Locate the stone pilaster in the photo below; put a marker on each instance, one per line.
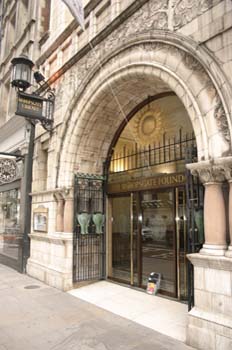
(212, 177)
(59, 211)
(226, 167)
(51, 253)
(68, 212)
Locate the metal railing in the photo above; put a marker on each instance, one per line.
(167, 150)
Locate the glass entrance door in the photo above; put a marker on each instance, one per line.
(148, 234)
(120, 240)
(181, 243)
(158, 238)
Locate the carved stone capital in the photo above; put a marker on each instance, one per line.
(63, 194)
(207, 172)
(58, 196)
(225, 165)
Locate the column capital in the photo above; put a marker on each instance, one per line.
(63, 194)
(225, 165)
(58, 196)
(209, 173)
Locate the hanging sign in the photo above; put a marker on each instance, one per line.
(8, 170)
(30, 106)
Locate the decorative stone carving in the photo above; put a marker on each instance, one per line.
(207, 173)
(158, 5)
(186, 10)
(160, 20)
(222, 123)
(148, 125)
(225, 165)
(191, 63)
(8, 170)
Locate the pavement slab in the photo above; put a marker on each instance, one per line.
(49, 319)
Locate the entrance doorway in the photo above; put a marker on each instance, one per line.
(149, 233)
(155, 211)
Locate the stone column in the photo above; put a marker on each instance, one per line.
(59, 212)
(227, 167)
(214, 208)
(68, 213)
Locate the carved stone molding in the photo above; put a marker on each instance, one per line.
(225, 165)
(63, 194)
(186, 10)
(58, 196)
(208, 173)
(228, 172)
(222, 123)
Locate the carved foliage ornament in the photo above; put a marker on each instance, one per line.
(8, 170)
(186, 10)
(222, 123)
(209, 174)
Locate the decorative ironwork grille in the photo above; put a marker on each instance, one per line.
(165, 151)
(89, 232)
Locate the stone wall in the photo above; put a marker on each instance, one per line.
(150, 47)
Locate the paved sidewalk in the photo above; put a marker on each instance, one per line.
(165, 316)
(34, 316)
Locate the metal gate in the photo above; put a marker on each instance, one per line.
(195, 219)
(89, 228)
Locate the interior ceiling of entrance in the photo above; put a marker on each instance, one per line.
(110, 106)
(113, 104)
(164, 115)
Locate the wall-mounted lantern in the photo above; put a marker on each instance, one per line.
(21, 73)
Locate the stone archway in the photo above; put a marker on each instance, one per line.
(127, 77)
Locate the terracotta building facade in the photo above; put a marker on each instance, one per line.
(136, 174)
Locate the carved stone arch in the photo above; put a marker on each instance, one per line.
(164, 60)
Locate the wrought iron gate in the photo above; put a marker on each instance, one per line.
(89, 228)
(195, 205)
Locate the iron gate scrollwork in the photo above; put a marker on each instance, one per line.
(89, 228)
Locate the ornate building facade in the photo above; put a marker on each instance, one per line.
(142, 94)
(17, 36)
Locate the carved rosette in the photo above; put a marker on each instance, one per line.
(148, 125)
(8, 170)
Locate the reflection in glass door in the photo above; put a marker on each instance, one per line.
(148, 234)
(158, 238)
(181, 243)
(123, 265)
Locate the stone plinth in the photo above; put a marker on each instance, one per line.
(210, 320)
(51, 259)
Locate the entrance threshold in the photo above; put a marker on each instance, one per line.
(158, 313)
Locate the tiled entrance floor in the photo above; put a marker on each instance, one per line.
(163, 315)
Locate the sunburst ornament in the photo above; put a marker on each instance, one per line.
(148, 125)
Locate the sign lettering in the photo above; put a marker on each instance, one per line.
(30, 106)
(150, 183)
